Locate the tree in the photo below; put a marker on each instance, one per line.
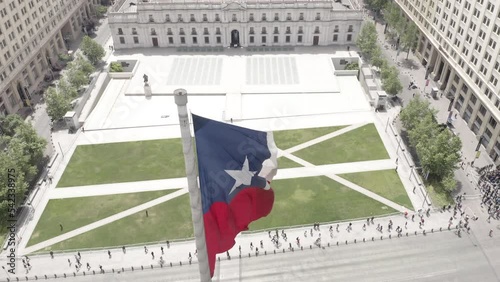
(92, 50)
(376, 5)
(377, 60)
(57, 104)
(409, 37)
(367, 39)
(392, 14)
(416, 110)
(352, 66)
(77, 78)
(449, 183)
(101, 10)
(392, 84)
(66, 88)
(115, 67)
(83, 64)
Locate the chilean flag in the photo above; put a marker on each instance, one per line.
(236, 166)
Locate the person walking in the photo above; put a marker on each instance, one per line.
(145, 250)
(88, 266)
(491, 233)
(152, 255)
(161, 248)
(109, 253)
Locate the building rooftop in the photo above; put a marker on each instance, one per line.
(130, 6)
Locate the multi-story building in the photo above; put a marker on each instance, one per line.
(199, 23)
(460, 44)
(32, 35)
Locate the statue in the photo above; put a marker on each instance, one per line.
(145, 78)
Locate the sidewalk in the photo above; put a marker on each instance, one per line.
(179, 251)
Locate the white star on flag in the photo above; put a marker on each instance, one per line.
(242, 177)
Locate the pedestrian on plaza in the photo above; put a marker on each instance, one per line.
(88, 266)
(269, 233)
(189, 256)
(239, 248)
(413, 218)
(331, 228)
(69, 262)
(147, 214)
(406, 214)
(152, 255)
(168, 244)
(109, 253)
(337, 227)
(60, 225)
(491, 233)
(261, 244)
(414, 188)
(161, 248)
(406, 225)
(251, 246)
(420, 225)
(311, 232)
(123, 249)
(79, 255)
(76, 267)
(51, 254)
(364, 227)
(145, 250)
(368, 221)
(305, 234)
(100, 267)
(373, 219)
(289, 246)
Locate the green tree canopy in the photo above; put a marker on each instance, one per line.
(58, 104)
(416, 110)
(409, 38)
(367, 39)
(92, 50)
(392, 15)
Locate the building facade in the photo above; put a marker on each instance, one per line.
(460, 45)
(210, 23)
(32, 35)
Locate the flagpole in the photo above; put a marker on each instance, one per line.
(194, 192)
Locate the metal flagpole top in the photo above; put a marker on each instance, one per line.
(181, 98)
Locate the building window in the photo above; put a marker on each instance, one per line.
(264, 39)
(205, 31)
(288, 16)
(193, 31)
(350, 28)
(492, 122)
(264, 30)
(136, 40)
(250, 18)
(473, 99)
(120, 31)
(169, 31)
(153, 31)
(217, 30)
(195, 40)
(301, 16)
(167, 18)
(276, 31)
(134, 31)
(252, 31)
(217, 18)
(349, 37)
(300, 30)
(207, 40)
(183, 40)
(234, 18)
(287, 39)
(205, 19)
(179, 18)
(276, 17)
(482, 110)
(170, 40)
(288, 30)
(181, 31)
(275, 39)
(191, 18)
(318, 16)
(335, 37)
(251, 39)
(151, 19)
(336, 28)
(264, 17)
(299, 39)
(122, 40)
(316, 30)
(218, 40)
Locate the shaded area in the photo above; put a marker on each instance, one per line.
(361, 144)
(124, 162)
(385, 183)
(287, 139)
(317, 199)
(74, 213)
(439, 196)
(166, 221)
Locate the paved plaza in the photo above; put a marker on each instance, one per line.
(314, 97)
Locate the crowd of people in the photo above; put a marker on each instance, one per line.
(489, 184)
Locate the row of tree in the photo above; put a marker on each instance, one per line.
(77, 74)
(437, 148)
(20, 155)
(367, 43)
(404, 29)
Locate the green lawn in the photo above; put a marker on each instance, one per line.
(73, 213)
(297, 201)
(166, 221)
(361, 144)
(287, 139)
(385, 183)
(284, 162)
(124, 162)
(317, 199)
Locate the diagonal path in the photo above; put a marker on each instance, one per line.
(103, 222)
(117, 188)
(324, 137)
